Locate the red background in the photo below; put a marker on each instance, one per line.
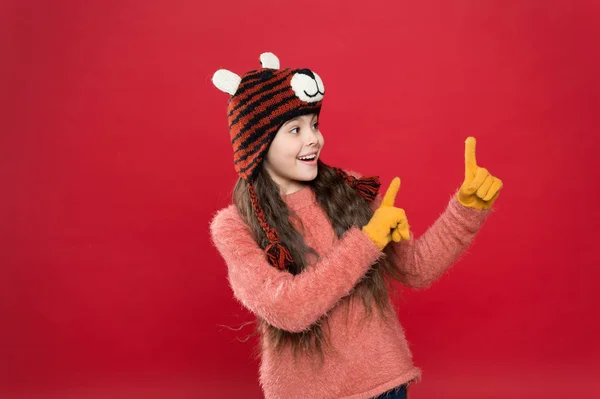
(115, 155)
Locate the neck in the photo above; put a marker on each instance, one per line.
(292, 188)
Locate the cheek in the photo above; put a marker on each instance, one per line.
(282, 151)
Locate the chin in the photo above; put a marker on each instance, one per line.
(311, 176)
(306, 176)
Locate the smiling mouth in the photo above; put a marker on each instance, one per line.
(316, 156)
(314, 95)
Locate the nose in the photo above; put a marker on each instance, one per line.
(312, 138)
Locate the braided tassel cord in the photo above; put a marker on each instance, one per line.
(278, 254)
(367, 186)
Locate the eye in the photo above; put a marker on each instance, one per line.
(294, 129)
(316, 125)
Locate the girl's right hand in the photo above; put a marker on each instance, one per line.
(388, 222)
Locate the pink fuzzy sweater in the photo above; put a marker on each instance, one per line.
(371, 356)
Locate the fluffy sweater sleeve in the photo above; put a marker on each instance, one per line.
(289, 302)
(422, 261)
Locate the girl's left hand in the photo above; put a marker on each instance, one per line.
(480, 189)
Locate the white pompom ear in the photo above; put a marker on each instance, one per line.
(269, 60)
(226, 81)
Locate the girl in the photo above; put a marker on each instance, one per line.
(311, 249)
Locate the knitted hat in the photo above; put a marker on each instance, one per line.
(261, 102)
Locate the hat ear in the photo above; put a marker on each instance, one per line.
(226, 81)
(269, 60)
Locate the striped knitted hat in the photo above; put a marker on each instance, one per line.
(261, 102)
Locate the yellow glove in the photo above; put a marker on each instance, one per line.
(480, 189)
(388, 222)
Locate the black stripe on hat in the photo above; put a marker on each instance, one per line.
(268, 136)
(250, 108)
(256, 118)
(247, 80)
(253, 75)
(268, 86)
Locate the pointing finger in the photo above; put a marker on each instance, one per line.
(390, 194)
(470, 160)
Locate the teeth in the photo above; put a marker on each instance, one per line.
(308, 158)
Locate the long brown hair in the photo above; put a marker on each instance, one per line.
(345, 208)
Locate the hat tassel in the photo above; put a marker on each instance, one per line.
(366, 186)
(278, 254)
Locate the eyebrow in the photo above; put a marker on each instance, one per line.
(298, 117)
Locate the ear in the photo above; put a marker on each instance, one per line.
(226, 81)
(269, 60)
